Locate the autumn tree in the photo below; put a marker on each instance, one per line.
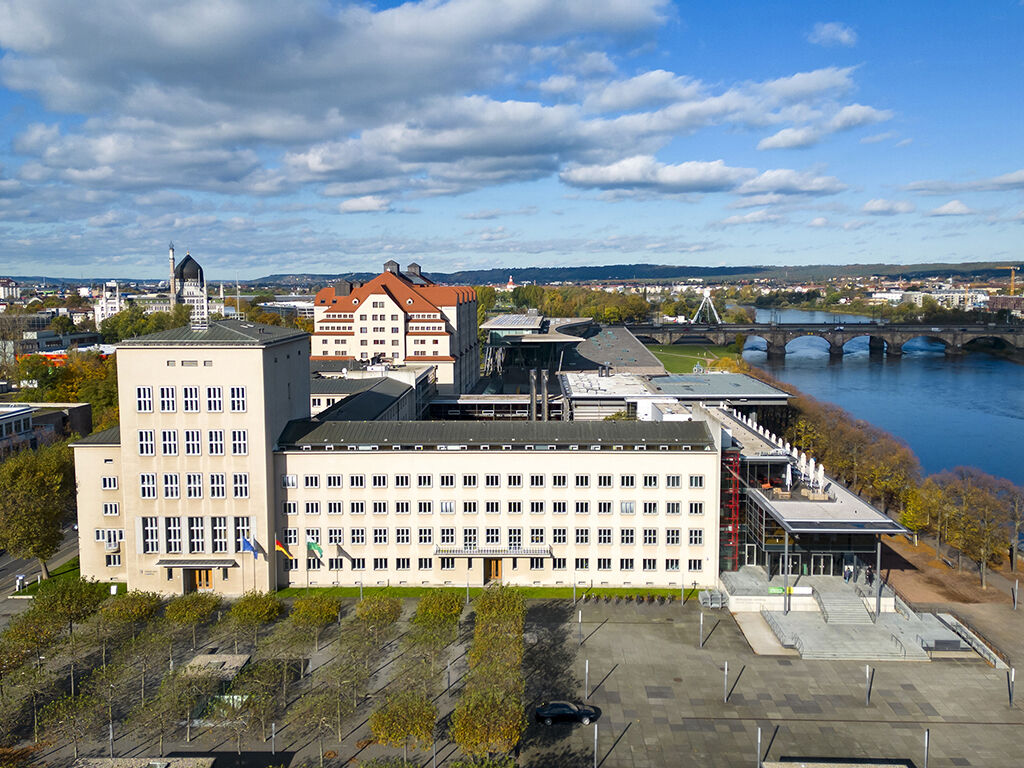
(254, 610)
(313, 716)
(37, 495)
(71, 718)
(312, 613)
(406, 717)
(487, 721)
(130, 610)
(192, 610)
(1013, 499)
(379, 612)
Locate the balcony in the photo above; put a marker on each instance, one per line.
(532, 551)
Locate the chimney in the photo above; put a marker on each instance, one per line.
(342, 288)
(544, 394)
(391, 266)
(533, 394)
(414, 269)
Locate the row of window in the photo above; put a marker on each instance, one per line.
(490, 481)
(492, 507)
(492, 537)
(693, 565)
(193, 535)
(193, 442)
(167, 399)
(194, 485)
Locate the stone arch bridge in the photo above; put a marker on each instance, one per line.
(888, 337)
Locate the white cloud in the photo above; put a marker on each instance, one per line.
(644, 172)
(856, 115)
(785, 181)
(754, 217)
(791, 138)
(1004, 183)
(879, 137)
(649, 89)
(882, 207)
(952, 208)
(497, 213)
(829, 33)
(559, 84)
(367, 204)
(818, 222)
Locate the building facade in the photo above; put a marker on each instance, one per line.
(217, 455)
(399, 318)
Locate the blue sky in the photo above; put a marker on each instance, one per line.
(327, 137)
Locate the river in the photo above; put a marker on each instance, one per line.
(966, 410)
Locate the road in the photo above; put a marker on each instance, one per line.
(10, 567)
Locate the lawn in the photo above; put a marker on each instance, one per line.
(680, 358)
(530, 593)
(69, 570)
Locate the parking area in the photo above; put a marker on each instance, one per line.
(662, 697)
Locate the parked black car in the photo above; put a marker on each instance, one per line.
(566, 712)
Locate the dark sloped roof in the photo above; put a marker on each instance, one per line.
(227, 333)
(110, 436)
(188, 269)
(314, 432)
(335, 386)
(368, 404)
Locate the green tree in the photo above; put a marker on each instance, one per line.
(405, 717)
(37, 494)
(65, 602)
(379, 612)
(311, 613)
(130, 610)
(487, 721)
(192, 610)
(71, 718)
(254, 610)
(313, 716)
(62, 325)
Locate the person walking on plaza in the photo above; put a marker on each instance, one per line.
(870, 576)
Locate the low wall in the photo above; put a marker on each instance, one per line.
(758, 603)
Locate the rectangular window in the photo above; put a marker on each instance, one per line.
(626, 564)
(242, 527)
(672, 536)
(582, 535)
(220, 535)
(147, 485)
(627, 481)
(336, 536)
(536, 481)
(357, 508)
(172, 487)
(536, 535)
(425, 563)
(626, 536)
(650, 507)
(144, 399)
(650, 535)
(402, 564)
(147, 443)
(335, 507)
(492, 507)
(672, 481)
(402, 535)
(492, 536)
(335, 481)
(696, 537)
(536, 563)
(604, 563)
(190, 399)
(696, 481)
(355, 481)
(194, 485)
(604, 535)
(358, 563)
(536, 507)
(559, 535)
(217, 444)
(150, 535)
(237, 399)
(604, 507)
(357, 536)
(424, 481)
(312, 507)
(111, 508)
(401, 481)
(558, 563)
(604, 481)
(401, 507)
(291, 507)
(582, 507)
(582, 563)
(582, 481)
(696, 507)
(469, 507)
(447, 563)
(695, 565)
(291, 564)
(108, 483)
(559, 481)
(469, 481)
(239, 442)
(628, 507)
(650, 481)
(447, 535)
(240, 484)
(447, 481)
(380, 535)
(559, 507)
(167, 400)
(671, 507)
(379, 481)
(218, 487)
(672, 564)
(169, 442)
(515, 507)
(193, 442)
(313, 563)
(196, 535)
(425, 508)
(492, 481)
(426, 535)
(172, 527)
(469, 538)
(214, 399)
(515, 538)
(335, 563)
(515, 481)
(447, 507)
(650, 564)
(380, 507)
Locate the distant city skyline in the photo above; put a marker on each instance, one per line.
(326, 137)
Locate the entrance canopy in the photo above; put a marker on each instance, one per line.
(836, 511)
(197, 563)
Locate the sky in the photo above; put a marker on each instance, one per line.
(310, 136)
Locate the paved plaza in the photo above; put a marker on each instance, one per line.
(662, 698)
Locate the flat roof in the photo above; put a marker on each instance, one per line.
(512, 322)
(222, 333)
(694, 434)
(589, 385)
(841, 512)
(615, 346)
(715, 386)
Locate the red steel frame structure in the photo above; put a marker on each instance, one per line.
(729, 523)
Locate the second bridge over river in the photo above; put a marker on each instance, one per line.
(888, 337)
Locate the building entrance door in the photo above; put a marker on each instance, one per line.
(751, 554)
(492, 569)
(199, 580)
(821, 565)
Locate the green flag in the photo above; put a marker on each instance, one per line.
(310, 544)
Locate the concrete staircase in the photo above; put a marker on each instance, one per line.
(843, 608)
